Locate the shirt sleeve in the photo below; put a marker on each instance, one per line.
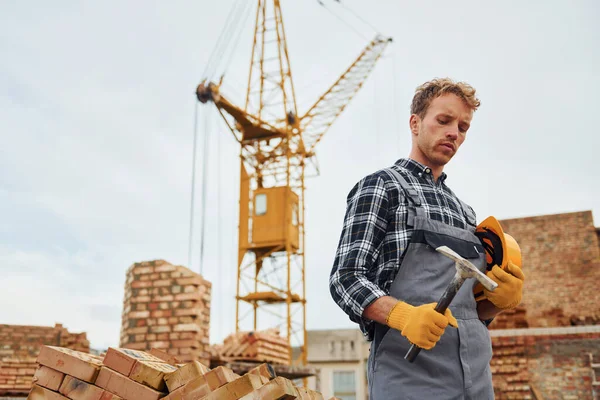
(365, 224)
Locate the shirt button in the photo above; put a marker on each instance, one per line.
(427, 170)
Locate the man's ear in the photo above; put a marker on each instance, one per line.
(414, 123)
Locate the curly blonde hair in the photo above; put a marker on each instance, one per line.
(428, 91)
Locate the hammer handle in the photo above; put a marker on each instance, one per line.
(440, 307)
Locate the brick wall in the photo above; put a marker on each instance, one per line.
(19, 347)
(561, 259)
(166, 307)
(556, 363)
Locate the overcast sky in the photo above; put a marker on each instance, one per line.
(96, 125)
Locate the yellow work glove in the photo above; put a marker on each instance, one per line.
(422, 325)
(509, 292)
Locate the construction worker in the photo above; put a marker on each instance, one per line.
(388, 277)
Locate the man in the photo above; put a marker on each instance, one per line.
(388, 277)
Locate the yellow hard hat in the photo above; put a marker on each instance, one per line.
(500, 248)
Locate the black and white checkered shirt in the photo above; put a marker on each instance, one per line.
(375, 234)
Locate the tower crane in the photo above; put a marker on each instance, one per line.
(277, 145)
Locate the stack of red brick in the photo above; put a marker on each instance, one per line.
(24, 341)
(511, 319)
(15, 376)
(19, 347)
(264, 346)
(125, 374)
(166, 307)
(510, 369)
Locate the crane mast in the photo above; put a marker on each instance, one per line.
(275, 145)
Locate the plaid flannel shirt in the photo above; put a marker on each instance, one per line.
(375, 235)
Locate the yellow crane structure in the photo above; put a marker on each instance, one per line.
(277, 144)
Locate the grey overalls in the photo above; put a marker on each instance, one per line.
(458, 367)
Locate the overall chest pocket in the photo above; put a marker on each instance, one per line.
(464, 248)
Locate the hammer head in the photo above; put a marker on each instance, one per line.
(466, 269)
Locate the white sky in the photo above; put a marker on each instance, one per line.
(96, 122)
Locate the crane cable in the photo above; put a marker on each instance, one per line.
(356, 15)
(202, 187)
(218, 233)
(204, 178)
(231, 24)
(342, 20)
(219, 48)
(193, 190)
(237, 39)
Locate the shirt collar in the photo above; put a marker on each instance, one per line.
(418, 169)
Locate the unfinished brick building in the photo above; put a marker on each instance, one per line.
(166, 307)
(550, 346)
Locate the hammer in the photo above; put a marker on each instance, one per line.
(464, 270)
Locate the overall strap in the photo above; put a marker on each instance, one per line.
(410, 192)
(468, 213)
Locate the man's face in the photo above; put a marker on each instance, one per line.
(442, 130)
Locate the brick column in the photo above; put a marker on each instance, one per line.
(166, 307)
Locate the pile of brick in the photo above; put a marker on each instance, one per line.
(16, 376)
(509, 368)
(166, 306)
(125, 374)
(24, 341)
(511, 319)
(19, 347)
(263, 346)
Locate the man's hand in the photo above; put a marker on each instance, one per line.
(422, 325)
(509, 292)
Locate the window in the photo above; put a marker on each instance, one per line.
(260, 204)
(295, 215)
(344, 385)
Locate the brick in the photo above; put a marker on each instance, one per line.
(203, 385)
(141, 284)
(176, 395)
(124, 387)
(160, 329)
(307, 394)
(106, 395)
(264, 370)
(76, 389)
(188, 296)
(40, 393)
(165, 268)
(139, 314)
(151, 373)
(183, 375)
(48, 378)
(75, 363)
(277, 389)
(122, 360)
(219, 376)
(136, 346)
(163, 355)
(186, 327)
(194, 280)
(184, 343)
(236, 389)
